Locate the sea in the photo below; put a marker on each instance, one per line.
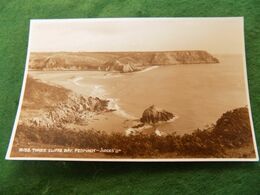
(197, 94)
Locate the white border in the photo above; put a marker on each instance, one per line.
(8, 157)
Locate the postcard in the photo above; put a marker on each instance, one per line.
(135, 89)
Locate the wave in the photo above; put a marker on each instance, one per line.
(76, 80)
(100, 92)
(148, 69)
(132, 130)
(106, 75)
(97, 91)
(113, 105)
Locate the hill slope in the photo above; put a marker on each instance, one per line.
(47, 105)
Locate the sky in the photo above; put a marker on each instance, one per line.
(215, 35)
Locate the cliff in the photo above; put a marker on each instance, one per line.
(116, 61)
(122, 65)
(46, 105)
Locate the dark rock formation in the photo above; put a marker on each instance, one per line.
(154, 115)
(96, 104)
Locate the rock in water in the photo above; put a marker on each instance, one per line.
(96, 104)
(154, 115)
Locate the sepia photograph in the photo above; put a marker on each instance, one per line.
(135, 89)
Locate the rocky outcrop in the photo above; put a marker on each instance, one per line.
(48, 106)
(123, 65)
(74, 110)
(154, 115)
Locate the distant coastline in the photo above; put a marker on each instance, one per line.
(116, 61)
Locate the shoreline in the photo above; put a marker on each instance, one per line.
(150, 126)
(134, 91)
(100, 92)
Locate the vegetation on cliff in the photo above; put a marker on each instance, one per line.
(231, 131)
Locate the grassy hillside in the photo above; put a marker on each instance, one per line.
(35, 91)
